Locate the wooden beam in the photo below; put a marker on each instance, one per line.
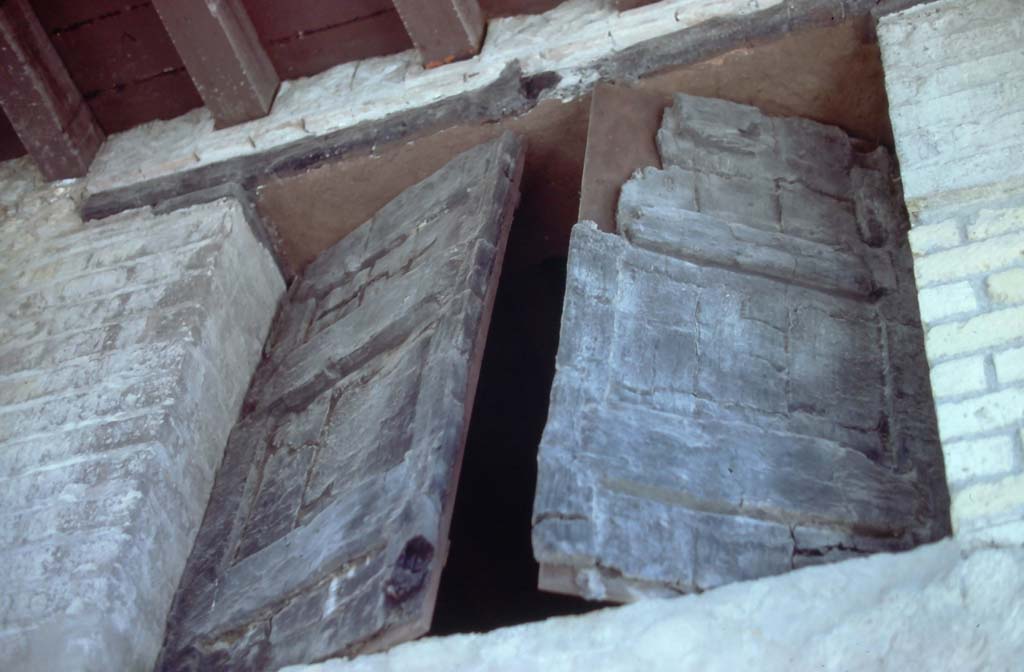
(223, 55)
(39, 98)
(620, 140)
(443, 30)
(623, 5)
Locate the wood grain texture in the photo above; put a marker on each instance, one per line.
(40, 99)
(223, 55)
(327, 528)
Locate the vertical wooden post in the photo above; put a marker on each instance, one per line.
(443, 30)
(223, 56)
(42, 103)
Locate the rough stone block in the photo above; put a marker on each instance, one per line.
(327, 527)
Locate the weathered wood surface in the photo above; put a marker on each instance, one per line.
(741, 386)
(223, 55)
(443, 30)
(39, 98)
(620, 141)
(327, 527)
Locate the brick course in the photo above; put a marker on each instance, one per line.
(127, 346)
(955, 78)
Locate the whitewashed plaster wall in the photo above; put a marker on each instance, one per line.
(126, 347)
(955, 79)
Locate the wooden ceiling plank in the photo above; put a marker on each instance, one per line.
(443, 30)
(40, 99)
(222, 53)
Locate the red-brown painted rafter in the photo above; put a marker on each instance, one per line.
(40, 99)
(223, 55)
(443, 30)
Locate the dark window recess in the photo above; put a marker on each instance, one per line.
(490, 579)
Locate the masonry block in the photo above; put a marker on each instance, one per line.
(935, 237)
(1007, 287)
(995, 410)
(980, 458)
(978, 332)
(993, 222)
(129, 346)
(959, 377)
(1009, 365)
(942, 301)
(954, 74)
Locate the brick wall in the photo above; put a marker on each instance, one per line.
(955, 79)
(126, 346)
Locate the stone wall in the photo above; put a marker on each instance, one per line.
(126, 347)
(955, 78)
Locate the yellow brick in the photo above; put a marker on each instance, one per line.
(976, 333)
(980, 414)
(934, 237)
(942, 301)
(988, 501)
(960, 262)
(959, 376)
(978, 458)
(1009, 365)
(1007, 287)
(996, 222)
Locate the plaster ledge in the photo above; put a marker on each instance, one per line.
(944, 606)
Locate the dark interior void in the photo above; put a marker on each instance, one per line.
(490, 579)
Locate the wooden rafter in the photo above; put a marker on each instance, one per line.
(39, 98)
(443, 30)
(223, 56)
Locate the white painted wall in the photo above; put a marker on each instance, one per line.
(955, 79)
(126, 347)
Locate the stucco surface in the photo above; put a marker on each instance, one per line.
(934, 608)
